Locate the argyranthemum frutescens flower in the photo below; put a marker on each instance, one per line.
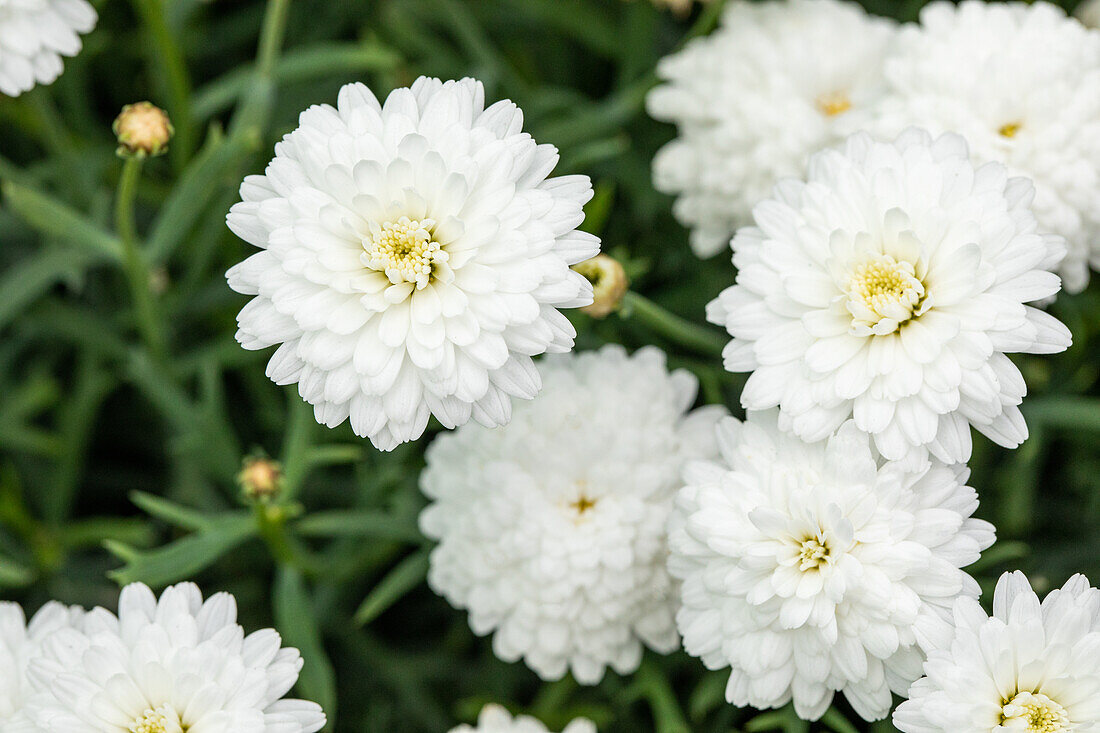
(1021, 82)
(888, 287)
(20, 641)
(810, 569)
(1031, 668)
(776, 82)
(169, 665)
(495, 719)
(414, 257)
(34, 35)
(552, 529)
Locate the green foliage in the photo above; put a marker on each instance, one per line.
(122, 425)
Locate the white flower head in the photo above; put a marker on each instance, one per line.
(1030, 668)
(552, 530)
(809, 569)
(414, 258)
(1021, 82)
(168, 665)
(776, 82)
(496, 719)
(888, 287)
(20, 641)
(35, 35)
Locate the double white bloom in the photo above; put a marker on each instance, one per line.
(495, 719)
(35, 35)
(414, 258)
(808, 568)
(887, 288)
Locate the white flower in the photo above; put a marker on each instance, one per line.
(1030, 668)
(552, 530)
(888, 288)
(776, 82)
(414, 258)
(34, 35)
(1022, 84)
(19, 643)
(809, 569)
(495, 719)
(171, 665)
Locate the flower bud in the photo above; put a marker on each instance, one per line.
(260, 478)
(609, 284)
(143, 130)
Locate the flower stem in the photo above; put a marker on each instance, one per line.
(671, 326)
(137, 271)
(271, 36)
(167, 52)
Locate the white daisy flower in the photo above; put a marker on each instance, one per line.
(552, 530)
(809, 569)
(414, 258)
(34, 35)
(1030, 668)
(495, 719)
(168, 665)
(1022, 84)
(776, 82)
(19, 643)
(888, 287)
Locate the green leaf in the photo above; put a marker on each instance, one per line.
(184, 558)
(296, 620)
(170, 512)
(33, 277)
(50, 216)
(838, 722)
(15, 575)
(360, 523)
(408, 574)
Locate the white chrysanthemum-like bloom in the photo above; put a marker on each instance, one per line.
(774, 83)
(1031, 668)
(19, 643)
(1022, 84)
(35, 35)
(414, 258)
(809, 569)
(888, 288)
(167, 665)
(552, 530)
(495, 719)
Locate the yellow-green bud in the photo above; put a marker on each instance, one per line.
(143, 130)
(609, 284)
(260, 478)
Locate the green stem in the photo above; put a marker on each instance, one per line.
(271, 37)
(137, 271)
(671, 326)
(174, 68)
(271, 521)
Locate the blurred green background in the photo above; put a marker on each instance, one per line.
(118, 462)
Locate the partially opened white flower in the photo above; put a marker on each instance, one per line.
(176, 664)
(809, 568)
(888, 288)
(1030, 667)
(414, 258)
(552, 529)
(35, 35)
(777, 81)
(19, 643)
(1021, 82)
(495, 719)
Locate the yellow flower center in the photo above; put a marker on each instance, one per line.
(162, 720)
(1010, 129)
(883, 293)
(833, 104)
(814, 553)
(1034, 712)
(404, 250)
(582, 505)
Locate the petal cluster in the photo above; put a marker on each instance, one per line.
(774, 83)
(888, 288)
(20, 642)
(1021, 82)
(414, 255)
(166, 665)
(496, 719)
(813, 568)
(552, 530)
(1031, 667)
(35, 35)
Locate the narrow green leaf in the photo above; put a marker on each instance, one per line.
(50, 216)
(360, 523)
(837, 722)
(296, 620)
(183, 558)
(31, 278)
(15, 575)
(170, 512)
(408, 574)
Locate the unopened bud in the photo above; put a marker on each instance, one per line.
(143, 130)
(609, 284)
(260, 478)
